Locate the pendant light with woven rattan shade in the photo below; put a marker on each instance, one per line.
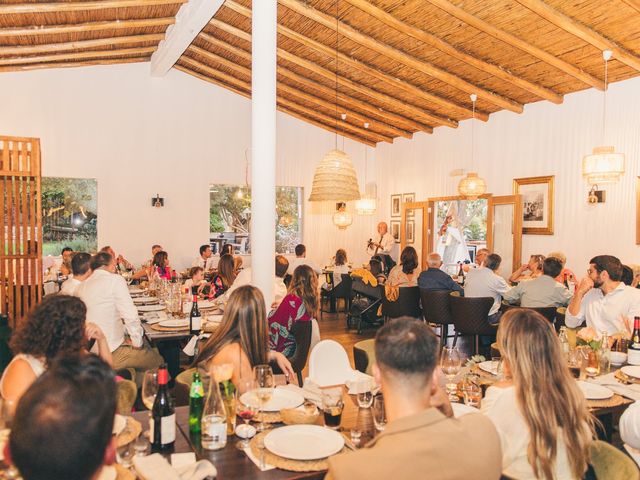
(472, 186)
(335, 178)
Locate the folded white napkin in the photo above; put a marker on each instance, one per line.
(256, 461)
(190, 347)
(610, 381)
(154, 317)
(156, 467)
(355, 385)
(310, 391)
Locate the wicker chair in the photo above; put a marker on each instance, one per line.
(340, 291)
(469, 315)
(364, 355)
(436, 309)
(302, 333)
(407, 304)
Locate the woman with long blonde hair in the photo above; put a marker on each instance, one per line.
(299, 305)
(539, 411)
(241, 339)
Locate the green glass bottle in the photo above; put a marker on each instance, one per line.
(196, 403)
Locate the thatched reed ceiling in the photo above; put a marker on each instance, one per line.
(403, 65)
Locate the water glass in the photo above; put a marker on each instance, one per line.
(332, 406)
(471, 390)
(263, 385)
(379, 413)
(451, 363)
(149, 388)
(364, 393)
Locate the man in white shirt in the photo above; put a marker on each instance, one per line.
(205, 259)
(279, 288)
(603, 300)
(110, 306)
(485, 282)
(81, 269)
(381, 243)
(301, 259)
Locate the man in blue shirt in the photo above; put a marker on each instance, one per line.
(435, 279)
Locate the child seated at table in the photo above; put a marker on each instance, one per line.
(196, 279)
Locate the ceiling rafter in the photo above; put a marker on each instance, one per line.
(330, 75)
(78, 55)
(518, 43)
(363, 67)
(81, 44)
(390, 121)
(635, 4)
(86, 27)
(284, 88)
(84, 63)
(61, 7)
(436, 42)
(246, 86)
(581, 31)
(398, 55)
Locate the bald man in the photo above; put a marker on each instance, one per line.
(382, 243)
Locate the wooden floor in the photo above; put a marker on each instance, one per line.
(333, 326)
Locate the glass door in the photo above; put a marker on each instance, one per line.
(504, 235)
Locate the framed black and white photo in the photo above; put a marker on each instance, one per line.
(537, 204)
(395, 230)
(396, 205)
(409, 198)
(411, 231)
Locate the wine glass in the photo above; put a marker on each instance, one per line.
(246, 411)
(263, 385)
(379, 413)
(149, 388)
(450, 363)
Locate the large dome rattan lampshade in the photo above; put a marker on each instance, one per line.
(335, 179)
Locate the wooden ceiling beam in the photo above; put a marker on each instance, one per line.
(246, 86)
(64, 7)
(436, 42)
(345, 101)
(581, 31)
(79, 45)
(284, 88)
(518, 43)
(85, 27)
(375, 72)
(374, 94)
(399, 56)
(77, 56)
(85, 63)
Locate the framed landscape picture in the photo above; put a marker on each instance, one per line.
(396, 203)
(537, 204)
(395, 230)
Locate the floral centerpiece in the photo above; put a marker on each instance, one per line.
(222, 376)
(589, 337)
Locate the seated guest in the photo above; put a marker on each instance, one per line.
(81, 268)
(122, 263)
(196, 279)
(565, 273)
(533, 267)
(110, 306)
(627, 276)
(279, 288)
(376, 267)
(603, 300)
(339, 268)
(205, 259)
(630, 430)
(435, 279)
(227, 248)
(65, 267)
(301, 259)
(481, 255)
(161, 265)
(237, 264)
(543, 291)
(225, 277)
(57, 326)
(146, 266)
(421, 439)
(299, 305)
(63, 425)
(485, 282)
(406, 273)
(541, 414)
(242, 338)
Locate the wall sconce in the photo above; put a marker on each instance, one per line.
(596, 196)
(157, 202)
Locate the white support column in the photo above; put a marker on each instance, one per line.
(264, 24)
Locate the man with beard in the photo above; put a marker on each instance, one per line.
(603, 300)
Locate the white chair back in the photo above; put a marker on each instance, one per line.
(329, 364)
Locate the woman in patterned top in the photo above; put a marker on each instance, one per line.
(225, 277)
(299, 305)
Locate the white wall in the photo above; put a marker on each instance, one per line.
(139, 136)
(546, 139)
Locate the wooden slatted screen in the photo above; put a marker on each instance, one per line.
(21, 236)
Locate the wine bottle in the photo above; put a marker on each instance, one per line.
(633, 352)
(195, 320)
(163, 415)
(196, 403)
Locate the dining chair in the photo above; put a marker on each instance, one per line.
(364, 355)
(470, 317)
(329, 364)
(407, 304)
(436, 310)
(365, 301)
(550, 313)
(609, 463)
(337, 292)
(302, 333)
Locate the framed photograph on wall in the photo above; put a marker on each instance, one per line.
(396, 203)
(537, 204)
(395, 230)
(411, 231)
(409, 198)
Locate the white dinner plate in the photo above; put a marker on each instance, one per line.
(150, 308)
(108, 472)
(204, 304)
(136, 291)
(119, 422)
(460, 409)
(281, 398)
(593, 391)
(631, 371)
(488, 367)
(304, 442)
(145, 300)
(174, 323)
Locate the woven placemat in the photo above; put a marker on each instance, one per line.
(131, 431)
(607, 403)
(124, 474)
(269, 417)
(160, 328)
(286, 463)
(626, 378)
